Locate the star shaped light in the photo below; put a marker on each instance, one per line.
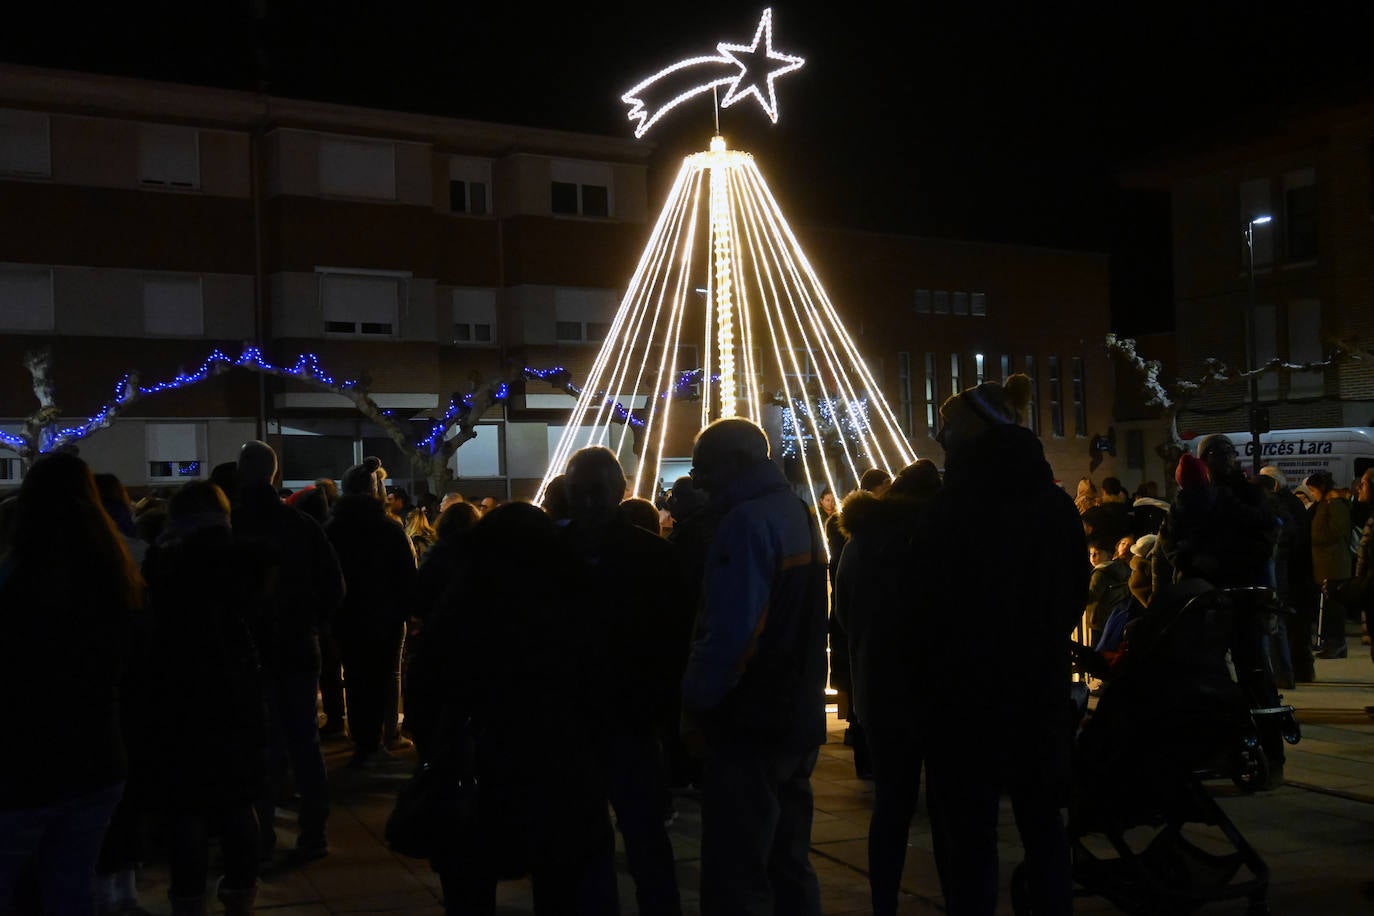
(758, 68)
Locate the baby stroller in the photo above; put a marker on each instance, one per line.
(1170, 716)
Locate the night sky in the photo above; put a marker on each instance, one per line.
(999, 122)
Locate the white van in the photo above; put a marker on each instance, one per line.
(1346, 451)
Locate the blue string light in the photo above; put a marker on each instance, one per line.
(307, 368)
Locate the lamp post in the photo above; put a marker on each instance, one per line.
(1259, 417)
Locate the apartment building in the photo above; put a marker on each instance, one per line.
(1296, 192)
(147, 224)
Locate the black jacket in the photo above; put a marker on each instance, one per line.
(1008, 613)
(303, 583)
(873, 608)
(378, 566)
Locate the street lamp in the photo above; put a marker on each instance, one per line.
(1259, 417)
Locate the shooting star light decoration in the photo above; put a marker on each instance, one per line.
(746, 69)
(724, 308)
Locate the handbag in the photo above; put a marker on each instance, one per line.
(433, 810)
(437, 806)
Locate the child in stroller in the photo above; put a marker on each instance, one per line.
(1170, 715)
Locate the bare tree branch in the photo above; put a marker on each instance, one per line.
(1215, 373)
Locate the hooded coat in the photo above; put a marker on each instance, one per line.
(887, 644)
(1010, 613)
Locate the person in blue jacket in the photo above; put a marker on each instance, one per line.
(754, 688)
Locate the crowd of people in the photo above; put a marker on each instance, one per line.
(578, 660)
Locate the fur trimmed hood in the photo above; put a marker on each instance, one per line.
(862, 512)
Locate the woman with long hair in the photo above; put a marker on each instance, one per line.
(68, 592)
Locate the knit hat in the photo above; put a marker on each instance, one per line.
(1270, 470)
(1144, 545)
(990, 404)
(367, 479)
(1191, 473)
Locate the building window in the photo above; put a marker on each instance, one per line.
(941, 302)
(1056, 399)
(1033, 408)
(959, 302)
(474, 316)
(467, 197)
(173, 307)
(1080, 410)
(581, 331)
(932, 397)
(596, 200)
(922, 302)
(1300, 214)
(361, 305)
(26, 301)
(977, 368)
(582, 315)
(801, 367)
(1254, 202)
(357, 168)
(468, 181)
(483, 456)
(904, 392)
(175, 451)
(1006, 367)
(169, 156)
(956, 383)
(580, 200)
(580, 188)
(979, 305)
(25, 148)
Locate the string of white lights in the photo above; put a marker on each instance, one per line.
(576, 420)
(766, 262)
(777, 328)
(784, 262)
(657, 294)
(667, 359)
(884, 412)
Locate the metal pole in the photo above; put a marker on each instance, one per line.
(1251, 356)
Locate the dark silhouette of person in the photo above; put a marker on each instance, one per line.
(622, 586)
(489, 697)
(873, 608)
(68, 593)
(754, 692)
(205, 588)
(303, 592)
(378, 564)
(1011, 728)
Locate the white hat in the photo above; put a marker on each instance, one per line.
(1270, 470)
(1144, 545)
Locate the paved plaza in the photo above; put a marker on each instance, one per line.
(1317, 832)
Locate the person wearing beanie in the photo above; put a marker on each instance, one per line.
(995, 469)
(304, 588)
(378, 565)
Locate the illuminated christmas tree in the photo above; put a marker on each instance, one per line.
(725, 310)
